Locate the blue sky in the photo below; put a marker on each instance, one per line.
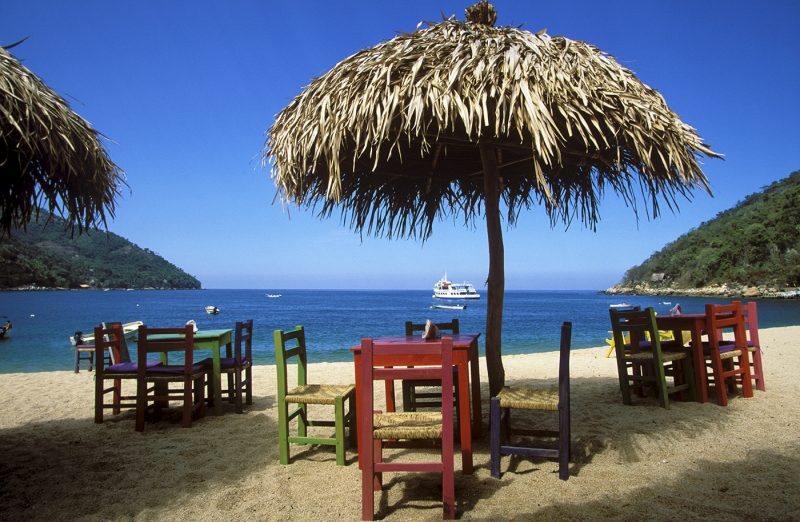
(186, 91)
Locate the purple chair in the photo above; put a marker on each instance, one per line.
(238, 365)
(538, 399)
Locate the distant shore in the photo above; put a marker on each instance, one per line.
(706, 291)
(34, 288)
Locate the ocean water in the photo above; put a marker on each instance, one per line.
(334, 320)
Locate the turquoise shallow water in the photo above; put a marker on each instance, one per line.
(334, 319)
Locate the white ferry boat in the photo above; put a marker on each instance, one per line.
(444, 289)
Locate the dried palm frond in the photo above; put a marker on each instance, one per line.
(390, 135)
(49, 156)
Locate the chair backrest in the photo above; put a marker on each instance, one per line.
(164, 340)
(243, 338)
(452, 326)
(289, 344)
(442, 370)
(725, 318)
(639, 326)
(107, 338)
(563, 363)
(124, 355)
(750, 312)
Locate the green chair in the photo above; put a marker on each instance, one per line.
(642, 363)
(293, 344)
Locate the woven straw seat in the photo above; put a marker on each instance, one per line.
(408, 425)
(318, 393)
(529, 398)
(665, 356)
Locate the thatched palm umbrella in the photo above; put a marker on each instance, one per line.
(462, 118)
(49, 153)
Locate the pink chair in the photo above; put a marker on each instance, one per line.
(750, 312)
(729, 359)
(435, 361)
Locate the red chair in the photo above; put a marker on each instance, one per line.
(435, 361)
(728, 359)
(110, 338)
(750, 311)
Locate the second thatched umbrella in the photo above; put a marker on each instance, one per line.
(49, 155)
(461, 118)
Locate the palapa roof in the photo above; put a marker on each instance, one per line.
(390, 133)
(49, 153)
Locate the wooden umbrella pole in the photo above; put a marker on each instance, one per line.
(496, 279)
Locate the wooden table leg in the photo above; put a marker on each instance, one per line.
(464, 419)
(475, 381)
(700, 379)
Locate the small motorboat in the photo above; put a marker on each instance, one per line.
(273, 296)
(129, 330)
(213, 310)
(450, 307)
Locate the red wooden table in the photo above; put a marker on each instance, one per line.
(465, 357)
(694, 323)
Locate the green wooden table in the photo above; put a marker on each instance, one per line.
(212, 340)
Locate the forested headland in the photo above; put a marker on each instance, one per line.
(46, 255)
(752, 249)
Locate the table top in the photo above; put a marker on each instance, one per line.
(200, 335)
(460, 341)
(680, 317)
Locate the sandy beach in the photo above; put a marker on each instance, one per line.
(691, 462)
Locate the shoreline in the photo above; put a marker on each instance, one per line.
(727, 291)
(686, 462)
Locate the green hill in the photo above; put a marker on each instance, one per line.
(47, 256)
(755, 245)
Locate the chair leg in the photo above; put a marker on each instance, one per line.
(117, 398)
(249, 377)
(448, 483)
(564, 443)
(719, 382)
(188, 403)
(367, 482)
(237, 378)
(622, 370)
(302, 421)
(141, 403)
(494, 436)
(747, 378)
(200, 396)
(661, 383)
(353, 423)
(340, 441)
(231, 387)
(98, 400)
(758, 369)
(408, 396)
(283, 431)
(688, 375)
